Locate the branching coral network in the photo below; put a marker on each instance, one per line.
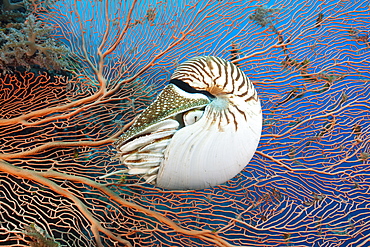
(307, 184)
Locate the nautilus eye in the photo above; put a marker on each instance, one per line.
(201, 131)
(191, 117)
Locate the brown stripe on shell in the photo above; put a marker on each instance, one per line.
(243, 80)
(249, 87)
(235, 122)
(233, 70)
(240, 111)
(254, 96)
(227, 118)
(209, 64)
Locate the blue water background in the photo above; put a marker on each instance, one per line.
(142, 42)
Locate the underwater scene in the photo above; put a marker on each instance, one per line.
(184, 123)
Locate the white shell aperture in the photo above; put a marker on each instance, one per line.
(188, 140)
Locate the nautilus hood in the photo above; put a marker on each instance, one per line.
(171, 102)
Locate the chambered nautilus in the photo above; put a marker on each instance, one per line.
(202, 130)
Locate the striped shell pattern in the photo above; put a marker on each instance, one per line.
(201, 131)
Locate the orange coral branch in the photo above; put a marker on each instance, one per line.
(42, 178)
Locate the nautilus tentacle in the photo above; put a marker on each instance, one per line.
(201, 131)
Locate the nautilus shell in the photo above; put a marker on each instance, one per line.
(202, 130)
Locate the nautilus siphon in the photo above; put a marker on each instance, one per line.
(201, 131)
